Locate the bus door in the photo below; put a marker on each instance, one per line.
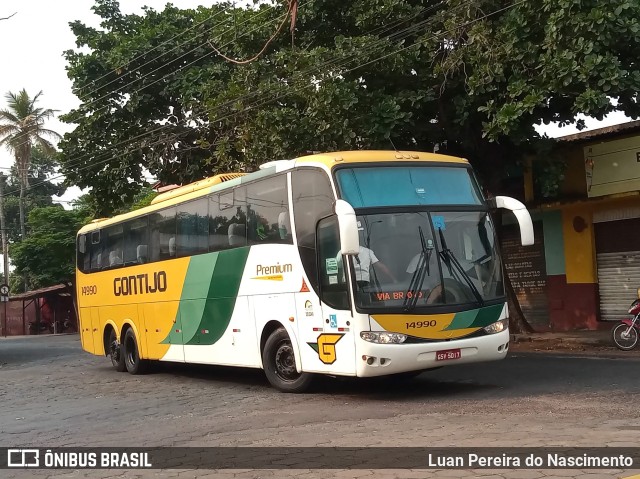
(336, 344)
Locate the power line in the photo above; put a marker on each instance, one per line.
(142, 55)
(218, 108)
(175, 137)
(164, 65)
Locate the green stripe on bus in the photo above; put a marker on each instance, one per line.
(221, 297)
(194, 293)
(476, 318)
(487, 315)
(463, 320)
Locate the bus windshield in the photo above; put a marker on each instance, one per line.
(414, 260)
(379, 186)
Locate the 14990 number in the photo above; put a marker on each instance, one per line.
(89, 290)
(421, 324)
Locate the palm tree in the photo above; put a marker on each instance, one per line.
(22, 127)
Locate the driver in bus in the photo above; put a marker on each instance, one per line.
(366, 263)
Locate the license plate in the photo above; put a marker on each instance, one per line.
(448, 354)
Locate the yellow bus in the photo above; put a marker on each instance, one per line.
(357, 263)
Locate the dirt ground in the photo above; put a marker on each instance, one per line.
(564, 346)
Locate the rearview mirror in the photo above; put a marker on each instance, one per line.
(522, 215)
(347, 223)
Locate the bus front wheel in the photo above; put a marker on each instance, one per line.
(279, 364)
(135, 365)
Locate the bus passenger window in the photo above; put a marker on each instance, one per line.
(237, 235)
(312, 199)
(141, 254)
(136, 233)
(113, 239)
(266, 201)
(193, 228)
(227, 220)
(96, 251)
(162, 228)
(84, 254)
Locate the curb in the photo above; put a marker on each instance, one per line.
(577, 340)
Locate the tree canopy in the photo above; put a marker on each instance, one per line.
(470, 78)
(22, 127)
(47, 256)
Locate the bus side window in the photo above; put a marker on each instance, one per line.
(193, 228)
(227, 220)
(162, 237)
(83, 259)
(113, 242)
(312, 200)
(96, 251)
(136, 234)
(266, 201)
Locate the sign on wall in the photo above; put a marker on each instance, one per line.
(612, 167)
(526, 268)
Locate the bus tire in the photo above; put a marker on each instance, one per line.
(115, 352)
(279, 364)
(133, 362)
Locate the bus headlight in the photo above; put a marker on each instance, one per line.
(383, 338)
(497, 327)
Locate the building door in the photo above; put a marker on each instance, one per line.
(618, 260)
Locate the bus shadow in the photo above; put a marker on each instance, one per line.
(390, 388)
(381, 388)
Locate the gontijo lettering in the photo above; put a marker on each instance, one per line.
(140, 284)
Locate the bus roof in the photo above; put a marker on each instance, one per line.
(228, 180)
(372, 156)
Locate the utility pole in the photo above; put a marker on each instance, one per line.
(3, 227)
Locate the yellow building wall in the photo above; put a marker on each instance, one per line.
(579, 246)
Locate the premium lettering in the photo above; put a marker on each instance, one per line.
(140, 284)
(274, 269)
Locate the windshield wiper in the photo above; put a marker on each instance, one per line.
(451, 259)
(420, 273)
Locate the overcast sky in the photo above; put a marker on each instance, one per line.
(33, 41)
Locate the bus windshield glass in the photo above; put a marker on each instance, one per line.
(410, 261)
(378, 186)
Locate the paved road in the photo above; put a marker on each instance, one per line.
(53, 394)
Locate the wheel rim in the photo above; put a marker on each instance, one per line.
(625, 336)
(284, 362)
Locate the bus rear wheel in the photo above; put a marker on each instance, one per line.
(132, 360)
(115, 353)
(279, 364)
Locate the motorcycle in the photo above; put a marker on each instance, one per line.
(60, 326)
(43, 326)
(625, 334)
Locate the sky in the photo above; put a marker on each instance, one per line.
(33, 41)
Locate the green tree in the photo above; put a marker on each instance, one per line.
(470, 78)
(39, 194)
(22, 126)
(47, 256)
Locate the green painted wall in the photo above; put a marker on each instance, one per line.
(553, 242)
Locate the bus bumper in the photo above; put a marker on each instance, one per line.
(382, 359)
